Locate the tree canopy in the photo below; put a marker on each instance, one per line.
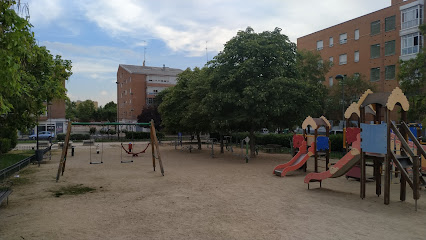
(412, 76)
(254, 82)
(30, 77)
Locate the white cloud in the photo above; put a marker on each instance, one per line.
(187, 25)
(45, 11)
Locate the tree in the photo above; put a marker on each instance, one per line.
(148, 113)
(253, 82)
(412, 76)
(354, 87)
(311, 67)
(181, 106)
(106, 113)
(70, 109)
(85, 111)
(30, 77)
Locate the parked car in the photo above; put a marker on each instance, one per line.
(42, 135)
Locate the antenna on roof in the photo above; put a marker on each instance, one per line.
(207, 55)
(144, 52)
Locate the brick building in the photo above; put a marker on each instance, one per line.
(137, 87)
(371, 45)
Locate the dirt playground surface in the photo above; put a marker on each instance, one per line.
(199, 198)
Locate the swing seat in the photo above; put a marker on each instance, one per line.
(132, 153)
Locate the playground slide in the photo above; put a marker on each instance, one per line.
(341, 167)
(296, 162)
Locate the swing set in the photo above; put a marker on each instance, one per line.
(153, 142)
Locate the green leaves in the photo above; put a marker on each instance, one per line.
(412, 76)
(29, 75)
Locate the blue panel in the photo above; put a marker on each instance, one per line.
(322, 143)
(374, 138)
(414, 131)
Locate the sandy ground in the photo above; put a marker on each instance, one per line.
(199, 198)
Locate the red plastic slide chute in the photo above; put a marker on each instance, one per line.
(341, 167)
(298, 160)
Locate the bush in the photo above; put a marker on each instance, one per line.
(5, 145)
(336, 142)
(264, 139)
(142, 135)
(11, 134)
(73, 137)
(92, 130)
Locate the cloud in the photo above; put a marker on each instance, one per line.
(187, 25)
(45, 11)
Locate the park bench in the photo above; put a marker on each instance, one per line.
(272, 148)
(43, 143)
(5, 192)
(88, 142)
(61, 144)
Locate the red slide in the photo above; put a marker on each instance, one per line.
(296, 162)
(341, 167)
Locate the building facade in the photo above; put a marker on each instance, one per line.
(137, 87)
(371, 45)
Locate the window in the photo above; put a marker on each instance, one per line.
(356, 56)
(390, 23)
(390, 48)
(411, 17)
(342, 59)
(320, 46)
(331, 61)
(330, 81)
(390, 72)
(375, 28)
(356, 34)
(375, 51)
(150, 101)
(356, 76)
(343, 38)
(375, 74)
(330, 42)
(130, 79)
(411, 43)
(320, 63)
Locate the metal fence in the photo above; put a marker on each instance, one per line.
(6, 172)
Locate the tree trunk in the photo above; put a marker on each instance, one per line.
(252, 144)
(199, 141)
(221, 143)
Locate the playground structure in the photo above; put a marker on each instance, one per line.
(153, 137)
(319, 146)
(374, 140)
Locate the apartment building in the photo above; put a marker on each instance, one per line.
(371, 45)
(137, 87)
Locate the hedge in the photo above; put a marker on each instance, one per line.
(142, 135)
(336, 141)
(5, 145)
(73, 136)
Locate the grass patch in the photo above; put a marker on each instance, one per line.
(12, 157)
(73, 190)
(19, 181)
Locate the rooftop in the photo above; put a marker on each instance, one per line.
(151, 70)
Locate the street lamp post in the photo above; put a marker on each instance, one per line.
(118, 113)
(340, 78)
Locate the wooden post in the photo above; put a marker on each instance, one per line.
(327, 153)
(387, 160)
(362, 164)
(305, 136)
(157, 147)
(377, 175)
(315, 148)
(152, 143)
(61, 167)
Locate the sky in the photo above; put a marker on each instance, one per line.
(98, 35)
